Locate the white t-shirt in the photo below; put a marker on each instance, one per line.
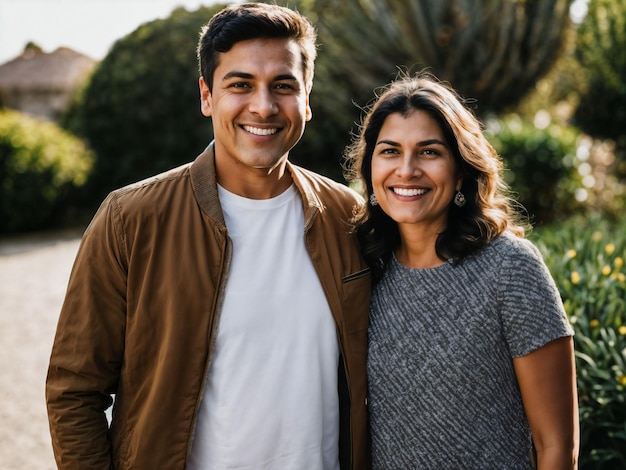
(271, 396)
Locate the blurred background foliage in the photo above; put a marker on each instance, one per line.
(491, 51)
(541, 166)
(586, 257)
(526, 69)
(140, 112)
(550, 90)
(41, 168)
(601, 51)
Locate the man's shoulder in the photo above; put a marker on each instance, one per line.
(326, 187)
(153, 195)
(155, 182)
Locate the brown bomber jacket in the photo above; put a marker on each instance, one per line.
(139, 319)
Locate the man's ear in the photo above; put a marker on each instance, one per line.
(308, 112)
(205, 98)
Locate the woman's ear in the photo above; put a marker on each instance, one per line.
(459, 183)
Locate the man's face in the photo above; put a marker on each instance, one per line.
(259, 105)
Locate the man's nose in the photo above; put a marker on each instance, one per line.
(263, 103)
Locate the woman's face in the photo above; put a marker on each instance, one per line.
(414, 174)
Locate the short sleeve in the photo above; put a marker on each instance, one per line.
(531, 307)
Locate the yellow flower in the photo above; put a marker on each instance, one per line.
(609, 248)
(575, 277)
(595, 323)
(618, 262)
(571, 253)
(606, 270)
(597, 236)
(622, 380)
(622, 330)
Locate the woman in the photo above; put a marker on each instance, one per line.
(471, 359)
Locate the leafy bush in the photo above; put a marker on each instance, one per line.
(586, 258)
(541, 166)
(601, 51)
(40, 165)
(140, 111)
(141, 115)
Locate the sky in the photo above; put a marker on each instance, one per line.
(90, 26)
(87, 26)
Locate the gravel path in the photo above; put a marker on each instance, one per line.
(33, 276)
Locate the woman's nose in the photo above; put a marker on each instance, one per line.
(408, 167)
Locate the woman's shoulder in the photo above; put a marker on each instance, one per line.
(507, 250)
(508, 244)
(515, 257)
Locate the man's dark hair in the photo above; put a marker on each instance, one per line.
(241, 22)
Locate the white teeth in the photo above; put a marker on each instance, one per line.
(408, 192)
(259, 131)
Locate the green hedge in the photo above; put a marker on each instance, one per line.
(541, 166)
(140, 111)
(586, 257)
(40, 166)
(601, 53)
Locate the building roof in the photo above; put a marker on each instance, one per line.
(34, 70)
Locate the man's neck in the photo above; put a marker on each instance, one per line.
(259, 183)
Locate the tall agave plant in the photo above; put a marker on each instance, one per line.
(490, 50)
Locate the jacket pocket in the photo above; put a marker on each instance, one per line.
(356, 289)
(356, 275)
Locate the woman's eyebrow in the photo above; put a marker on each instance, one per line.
(419, 144)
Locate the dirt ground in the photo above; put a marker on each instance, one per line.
(34, 271)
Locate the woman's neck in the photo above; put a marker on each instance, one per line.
(417, 249)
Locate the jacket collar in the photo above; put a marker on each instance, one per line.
(204, 183)
(304, 184)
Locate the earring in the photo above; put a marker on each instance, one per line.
(459, 199)
(373, 200)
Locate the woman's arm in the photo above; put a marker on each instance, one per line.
(547, 380)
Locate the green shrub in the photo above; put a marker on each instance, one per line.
(541, 166)
(40, 164)
(140, 112)
(601, 53)
(586, 258)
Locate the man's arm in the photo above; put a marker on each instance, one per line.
(88, 348)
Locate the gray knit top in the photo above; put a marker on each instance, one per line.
(442, 388)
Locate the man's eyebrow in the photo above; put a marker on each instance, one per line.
(249, 76)
(285, 76)
(237, 74)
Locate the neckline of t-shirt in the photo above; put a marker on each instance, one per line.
(232, 199)
(398, 264)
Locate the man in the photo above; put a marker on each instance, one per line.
(223, 303)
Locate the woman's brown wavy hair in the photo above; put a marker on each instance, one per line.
(489, 210)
